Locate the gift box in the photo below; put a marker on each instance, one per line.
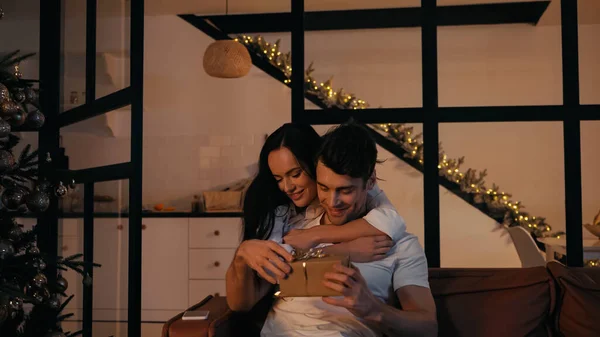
(306, 278)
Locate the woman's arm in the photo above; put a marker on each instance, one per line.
(308, 238)
(263, 257)
(365, 249)
(382, 219)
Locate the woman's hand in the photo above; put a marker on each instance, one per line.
(366, 249)
(266, 257)
(300, 239)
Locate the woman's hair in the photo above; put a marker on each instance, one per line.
(263, 195)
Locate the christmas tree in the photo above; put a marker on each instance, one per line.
(30, 305)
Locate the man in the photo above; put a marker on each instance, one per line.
(345, 174)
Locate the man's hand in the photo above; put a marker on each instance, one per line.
(300, 239)
(358, 299)
(368, 249)
(265, 257)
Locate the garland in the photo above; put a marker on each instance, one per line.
(495, 203)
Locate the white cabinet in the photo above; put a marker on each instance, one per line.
(111, 237)
(164, 268)
(183, 261)
(212, 244)
(164, 264)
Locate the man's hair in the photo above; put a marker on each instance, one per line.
(349, 150)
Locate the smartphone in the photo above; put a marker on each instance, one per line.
(195, 315)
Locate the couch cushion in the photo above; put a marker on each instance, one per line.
(493, 302)
(578, 309)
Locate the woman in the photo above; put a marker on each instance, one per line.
(283, 196)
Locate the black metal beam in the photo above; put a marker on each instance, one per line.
(431, 190)
(298, 60)
(134, 310)
(90, 51)
(88, 255)
(98, 107)
(366, 116)
(96, 174)
(479, 14)
(48, 141)
(572, 133)
(527, 113)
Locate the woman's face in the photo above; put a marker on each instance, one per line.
(291, 178)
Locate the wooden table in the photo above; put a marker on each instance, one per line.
(591, 247)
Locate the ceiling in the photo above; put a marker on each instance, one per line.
(589, 10)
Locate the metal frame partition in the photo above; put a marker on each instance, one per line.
(51, 15)
(429, 17)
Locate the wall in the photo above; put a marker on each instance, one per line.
(201, 132)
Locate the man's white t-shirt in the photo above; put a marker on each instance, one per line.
(404, 265)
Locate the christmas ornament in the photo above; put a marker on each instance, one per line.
(12, 198)
(87, 280)
(4, 128)
(226, 59)
(15, 233)
(62, 284)
(37, 201)
(31, 95)
(6, 249)
(9, 108)
(18, 118)
(42, 265)
(4, 312)
(36, 119)
(34, 250)
(18, 73)
(54, 302)
(1, 13)
(7, 161)
(40, 294)
(61, 190)
(72, 184)
(16, 303)
(4, 93)
(44, 186)
(48, 157)
(40, 280)
(55, 334)
(19, 96)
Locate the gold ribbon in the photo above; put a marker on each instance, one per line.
(311, 253)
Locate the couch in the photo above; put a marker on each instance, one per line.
(542, 301)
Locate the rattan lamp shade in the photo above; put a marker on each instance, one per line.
(227, 59)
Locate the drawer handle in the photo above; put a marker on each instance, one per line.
(144, 226)
(65, 248)
(217, 263)
(217, 233)
(216, 294)
(120, 227)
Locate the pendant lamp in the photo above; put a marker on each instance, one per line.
(227, 58)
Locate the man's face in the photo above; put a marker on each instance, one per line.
(344, 198)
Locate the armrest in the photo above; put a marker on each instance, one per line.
(216, 325)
